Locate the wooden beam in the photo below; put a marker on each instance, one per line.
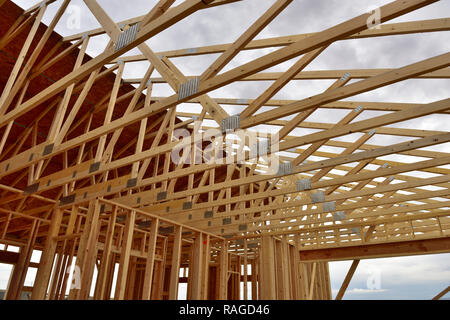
(442, 293)
(420, 26)
(379, 250)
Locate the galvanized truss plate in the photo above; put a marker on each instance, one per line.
(167, 230)
(358, 109)
(317, 197)
(303, 184)
(66, 200)
(188, 88)
(231, 123)
(126, 37)
(284, 168)
(145, 224)
(208, 214)
(161, 195)
(187, 205)
(242, 227)
(263, 147)
(260, 148)
(329, 206)
(121, 218)
(31, 188)
(339, 216)
(94, 167)
(345, 76)
(48, 149)
(252, 245)
(131, 182)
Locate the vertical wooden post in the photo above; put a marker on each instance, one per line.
(62, 274)
(278, 260)
(223, 271)
(48, 254)
(106, 257)
(20, 269)
(87, 251)
(295, 277)
(17, 270)
(131, 279)
(320, 281)
(72, 246)
(237, 277)
(254, 279)
(205, 262)
(175, 268)
(125, 256)
(245, 270)
(189, 269)
(304, 276)
(56, 272)
(267, 269)
(150, 263)
(287, 270)
(329, 295)
(197, 268)
(258, 272)
(312, 281)
(161, 277)
(110, 276)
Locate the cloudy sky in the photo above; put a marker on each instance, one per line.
(400, 278)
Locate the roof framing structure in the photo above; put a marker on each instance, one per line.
(87, 167)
